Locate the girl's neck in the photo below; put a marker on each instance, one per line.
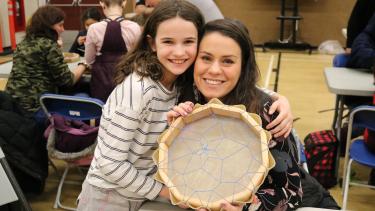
(113, 12)
(168, 80)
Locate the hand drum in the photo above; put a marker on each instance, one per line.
(216, 153)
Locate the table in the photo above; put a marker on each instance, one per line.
(5, 68)
(346, 81)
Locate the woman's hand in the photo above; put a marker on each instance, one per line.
(226, 206)
(181, 109)
(60, 42)
(282, 125)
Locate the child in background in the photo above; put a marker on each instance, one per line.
(90, 16)
(106, 42)
(148, 80)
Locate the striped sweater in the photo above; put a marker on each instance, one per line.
(133, 118)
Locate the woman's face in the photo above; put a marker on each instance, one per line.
(58, 27)
(218, 65)
(88, 22)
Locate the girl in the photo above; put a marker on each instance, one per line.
(149, 77)
(106, 41)
(90, 16)
(225, 68)
(38, 62)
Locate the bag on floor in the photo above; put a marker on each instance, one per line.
(321, 150)
(70, 136)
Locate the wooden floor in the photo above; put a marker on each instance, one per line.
(301, 80)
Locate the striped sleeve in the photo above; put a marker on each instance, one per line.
(115, 146)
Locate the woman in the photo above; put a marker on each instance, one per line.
(225, 68)
(38, 62)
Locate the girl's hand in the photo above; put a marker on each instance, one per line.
(81, 40)
(181, 109)
(282, 125)
(164, 193)
(183, 206)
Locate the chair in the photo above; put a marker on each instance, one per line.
(71, 108)
(340, 60)
(10, 191)
(360, 117)
(302, 160)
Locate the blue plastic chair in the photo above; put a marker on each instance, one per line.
(302, 160)
(73, 108)
(340, 60)
(360, 117)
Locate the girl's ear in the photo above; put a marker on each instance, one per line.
(151, 43)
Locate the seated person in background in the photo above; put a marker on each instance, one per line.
(90, 16)
(38, 62)
(359, 17)
(208, 8)
(145, 7)
(226, 69)
(362, 56)
(363, 48)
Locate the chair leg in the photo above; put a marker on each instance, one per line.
(50, 162)
(59, 190)
(346, 185)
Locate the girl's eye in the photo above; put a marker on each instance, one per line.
(189, 41)
(167, 42)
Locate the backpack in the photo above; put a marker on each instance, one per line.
(70, 137)
(321, 150)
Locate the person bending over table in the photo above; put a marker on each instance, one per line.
(38, 61)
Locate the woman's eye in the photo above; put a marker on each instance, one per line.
(205, 58)
(228, 61)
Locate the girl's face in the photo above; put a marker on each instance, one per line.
(58, 27)
(88, 22)
(175, 45)
(218, 65)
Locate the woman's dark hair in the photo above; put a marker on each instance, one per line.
(91, 13)
(42, 21)
(142, 59)
(245, 92)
